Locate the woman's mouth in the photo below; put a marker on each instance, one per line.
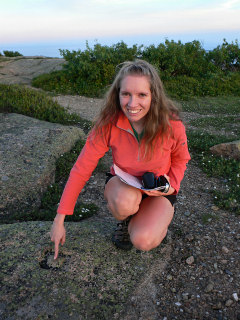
(133, 111)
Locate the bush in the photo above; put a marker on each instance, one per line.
(90, 71)
(174, 59)
(187, 70)
(226, 57)
(56, 81)
(12, 53)
(18, 99)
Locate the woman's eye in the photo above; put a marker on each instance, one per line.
(142, 95)
(125, 94)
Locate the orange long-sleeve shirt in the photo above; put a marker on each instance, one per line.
(168, 158)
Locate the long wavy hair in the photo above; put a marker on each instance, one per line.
(156, 124)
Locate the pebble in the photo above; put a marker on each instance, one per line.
(185, 296)
(225, 249)
(217, 306)
(228, 272)
(224, 261)
(235, 296)
(209, 287)
(190, 260)
(189, 237)
(228, 303)
(187, 213)
(178, 304)
(169, 277)
(214, 208)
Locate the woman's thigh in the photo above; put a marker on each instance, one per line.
(149, 226)
(123, 200)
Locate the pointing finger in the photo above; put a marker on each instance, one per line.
(56, 250)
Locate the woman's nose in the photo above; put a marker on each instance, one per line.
(132, 101)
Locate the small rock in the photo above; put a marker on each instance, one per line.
(228, 272)
(185, 296)
(224, 261)
(225, 249)
(4, 178)
(187, 213)
(235, 296)
(169, 277)
(214, 208)
(189, 237)
(190, 260)
(209, 287)
(217, 306)
(178, 304)
(228, 303)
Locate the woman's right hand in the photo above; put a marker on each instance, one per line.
(58, 233)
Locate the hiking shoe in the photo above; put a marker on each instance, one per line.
(121, 237)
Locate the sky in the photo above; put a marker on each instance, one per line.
(41, 27)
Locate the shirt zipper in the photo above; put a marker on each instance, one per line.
(129, 131)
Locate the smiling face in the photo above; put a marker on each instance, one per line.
(135, 99)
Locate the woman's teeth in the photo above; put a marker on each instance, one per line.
(133, 111)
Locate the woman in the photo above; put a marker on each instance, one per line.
(143, 129)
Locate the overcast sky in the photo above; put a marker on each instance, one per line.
(28, 21)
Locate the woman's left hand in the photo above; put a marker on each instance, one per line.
(156, 193)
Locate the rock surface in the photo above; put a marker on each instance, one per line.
(29, 149)
(21, 70)
(92, 280)
(230, 149)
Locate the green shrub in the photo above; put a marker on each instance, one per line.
(90, 71)
(12, 53)
(187, 70)
(183, 87)
(56, 81)
(226, 57)
(174, 59)
(19, 99)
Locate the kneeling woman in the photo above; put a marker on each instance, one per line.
(143, 129)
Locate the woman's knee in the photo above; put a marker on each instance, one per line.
(145, 241)
(122, 205)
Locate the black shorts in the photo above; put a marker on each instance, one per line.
(172, 197)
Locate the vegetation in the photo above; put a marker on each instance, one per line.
(223, 118)
(12, 53)
(187, 70)
(19, 99)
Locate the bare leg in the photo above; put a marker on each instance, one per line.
(152, 216)
(149, 226)
(123, 200)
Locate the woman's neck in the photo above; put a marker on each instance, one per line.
(138, 127)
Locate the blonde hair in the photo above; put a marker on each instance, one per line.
(161, 110)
